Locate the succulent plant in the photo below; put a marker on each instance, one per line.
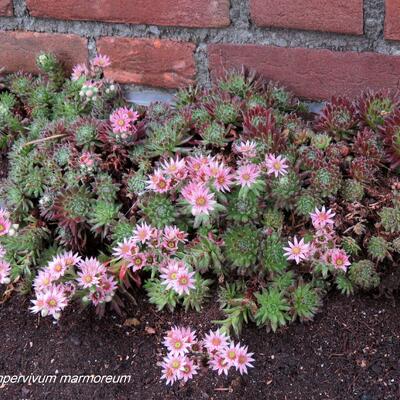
(214, 134)
(326, 181)
(159, 296)
(159, 211)
(321, 141)
(390, 218)
(273, 219)
(123, 229)
(273, 310)
(351, 246)
(71, 210)
(306, 203)
(283, 281)
(352, 190)
(286, 187)
(86, 132)
(374, 107)
(241, 247)
(390, 132)
(197, 296)
(364, 275)
(362, 170)
(259, 123)
(367, 144)
(243, 209)
(378, 248)
(305, 302)
(344, 284)
(338, 117)
(204, 255)
(102, 216)
(396, 245)
(104, 187)
(273, 257)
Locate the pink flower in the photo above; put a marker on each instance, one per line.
(125, 249)
(101, 61)
(90, 272)
(173, 365)
(221, 175)
(215, 341)
(138, 261)
(55, 301)
(120, 121)
(108, 285)
(97, 296)
(71, 259)
(175, 168)
(246, 149)
(79, 71)
(189, 334)
(176, 343)
(131, 114)
(172, 236)
(169, 374)
(173, 232)
(5, 223)
(169, 273)
(142, 233)
(88, 159)
(196, 164)
(43, 280)
(5, 269)
(189, 370)
(276, 165)
(184, 282)
(201, 200)
(247, 175)
(39, 304)
(322, 218)
(243, 359)
(219, 364)
(339, 259)
(57, 267)
(158, 182)
(230, 354)
(297, 251)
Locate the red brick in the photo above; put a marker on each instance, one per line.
(343, 16)
(310, 73)
(392, 19)
(161, 63)
(190, 13)
(19, 49)
(6, 8)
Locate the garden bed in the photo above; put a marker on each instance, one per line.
(236, 210)
(350, 351)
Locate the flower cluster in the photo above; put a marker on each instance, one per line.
(200, 178)
(323, 247)
(186, 352)
(123, 121)
(67, 275)
(97, 64)
(152, 247)
(176, 275)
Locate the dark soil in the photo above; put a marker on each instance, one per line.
(350, 351)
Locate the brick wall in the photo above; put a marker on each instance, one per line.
(317, 48)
